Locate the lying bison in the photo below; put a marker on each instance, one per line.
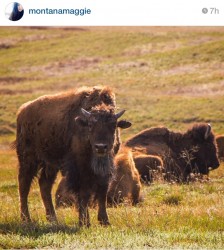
(150, 167)
(182, 153)
(126, 181)
(124, 184)
(56, 132)
(220, 145)
(63, 196)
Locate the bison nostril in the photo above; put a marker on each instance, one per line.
(101, 147)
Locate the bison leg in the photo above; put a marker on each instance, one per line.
(25, 179)
(102, 213)
(46, 181)
(83, 200)
(136, 198)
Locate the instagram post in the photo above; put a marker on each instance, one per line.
(111, 124)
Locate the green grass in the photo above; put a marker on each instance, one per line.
(148, 69)
(162, 76)
(171, 216)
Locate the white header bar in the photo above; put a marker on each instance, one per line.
(116, 13)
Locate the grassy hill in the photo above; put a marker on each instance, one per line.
(169, 76)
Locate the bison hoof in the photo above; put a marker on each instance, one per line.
(25, 219)
(105, 223)
(52, 219)
(81, 224)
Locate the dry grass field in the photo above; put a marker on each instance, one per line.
(171, 76)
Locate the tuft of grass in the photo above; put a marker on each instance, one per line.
(174, 199)
(8, 187)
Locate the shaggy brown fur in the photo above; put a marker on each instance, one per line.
(54, 132)
(149, 167)
(182, 153)
(220, 144)
(125, 183)
(63, 197)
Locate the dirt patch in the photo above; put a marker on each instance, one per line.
(208, 89)
(58, 28)
(14, 92)
(203, 68)
(204, 39)
(6, 92)
(15, 80)
(6, 44)
(64, 67)
(39, 37)
(37, 27)
(73, 28)
(128, 65)
(179, 70)
(151, 48)
(160, 47)
(158, 29)
(141, 66)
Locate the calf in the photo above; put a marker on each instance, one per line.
(150, 167)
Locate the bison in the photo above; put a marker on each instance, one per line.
(126, 181)
(63, 196)
(124, 184)
(182, 153)
(75, 132)
(149, 166)
(220, 145)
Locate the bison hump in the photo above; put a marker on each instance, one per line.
(146, 136)
(161, 131)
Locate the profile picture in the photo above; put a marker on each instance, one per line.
(14, 11)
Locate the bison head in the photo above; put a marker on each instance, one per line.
(205, 155)
(101, 126)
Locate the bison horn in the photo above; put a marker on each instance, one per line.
(118, 115)
(208, 130)
(85, 113)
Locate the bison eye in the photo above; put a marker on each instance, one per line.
(90, 125)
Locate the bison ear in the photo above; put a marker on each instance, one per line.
(124, 124)
(80, 121)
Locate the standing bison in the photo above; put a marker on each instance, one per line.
(75, 132)
(182, 153)
(220, 145)
(125, 184)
